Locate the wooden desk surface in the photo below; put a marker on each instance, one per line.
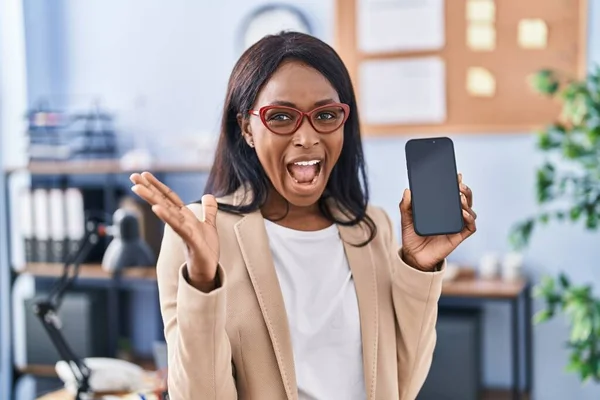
(468, 285)
(465, 285)
(89, 271)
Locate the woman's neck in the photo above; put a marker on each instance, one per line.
(278, 210)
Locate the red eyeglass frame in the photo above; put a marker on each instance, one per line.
(262, 111)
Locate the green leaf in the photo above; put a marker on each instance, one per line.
(551, 137)
(593, 135)
(591, 221)
(542, 316)
(564, 281)
(581, 329)
(575, 212)
(585, 371)
(520, 234)
(575, 363)
(544, 82)
(546, 289)
(553, 301)
(545, 179)
(584, 292)
(544, 141)
(562, 186)
(572, 150)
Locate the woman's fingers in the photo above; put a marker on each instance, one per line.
(406, 209)
(176, 221)
(167, 212)
(209, 209)
(158, 193)
(469, 216)
(470, 226)
(166, 204)
(153, 195)
(163, 189)
(465, 205)
(168, 194)
(464, 189)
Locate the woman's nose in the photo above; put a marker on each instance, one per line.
(306, 136)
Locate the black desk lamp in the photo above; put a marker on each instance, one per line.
(127, 250)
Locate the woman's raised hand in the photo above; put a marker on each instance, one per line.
(425, 253)
(200, 236)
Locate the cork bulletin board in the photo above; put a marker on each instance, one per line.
(479, 60)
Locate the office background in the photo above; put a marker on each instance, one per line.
(175, 58)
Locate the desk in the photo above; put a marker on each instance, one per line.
(467, 286)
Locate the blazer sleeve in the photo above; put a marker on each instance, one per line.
(415, 296)
(199, 352)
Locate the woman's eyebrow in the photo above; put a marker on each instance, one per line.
(290, 104)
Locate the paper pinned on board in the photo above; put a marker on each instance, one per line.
(481, 37)
(533, 34)
(481, 11)
(400, 25)
(403, 91)
(480, 82)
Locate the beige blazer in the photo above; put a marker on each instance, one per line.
(234, 342)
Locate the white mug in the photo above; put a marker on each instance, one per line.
(512, 266)
(489, 266)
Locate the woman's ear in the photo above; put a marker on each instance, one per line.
(244, 124)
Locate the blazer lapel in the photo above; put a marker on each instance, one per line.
(365, 281)
(254, 243)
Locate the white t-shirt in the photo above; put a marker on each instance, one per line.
(322, 308)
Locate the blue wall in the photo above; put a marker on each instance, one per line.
(177, 56)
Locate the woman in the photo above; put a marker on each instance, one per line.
(284, 283)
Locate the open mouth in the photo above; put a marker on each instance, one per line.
(305, 172)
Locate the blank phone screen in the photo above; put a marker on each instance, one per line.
(434, 186)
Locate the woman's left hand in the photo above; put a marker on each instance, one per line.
(426, 252)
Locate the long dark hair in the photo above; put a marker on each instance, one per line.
(236, 164)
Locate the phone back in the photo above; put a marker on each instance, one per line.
(433, 182)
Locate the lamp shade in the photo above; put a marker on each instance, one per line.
(127, 248)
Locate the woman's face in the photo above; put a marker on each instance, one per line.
(298, 164)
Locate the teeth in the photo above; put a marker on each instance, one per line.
(312, 182)
(305, 163)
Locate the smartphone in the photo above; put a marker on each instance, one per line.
(433, 182)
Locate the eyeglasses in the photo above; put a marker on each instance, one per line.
(284, 120)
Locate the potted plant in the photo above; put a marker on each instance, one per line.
(568, 189)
